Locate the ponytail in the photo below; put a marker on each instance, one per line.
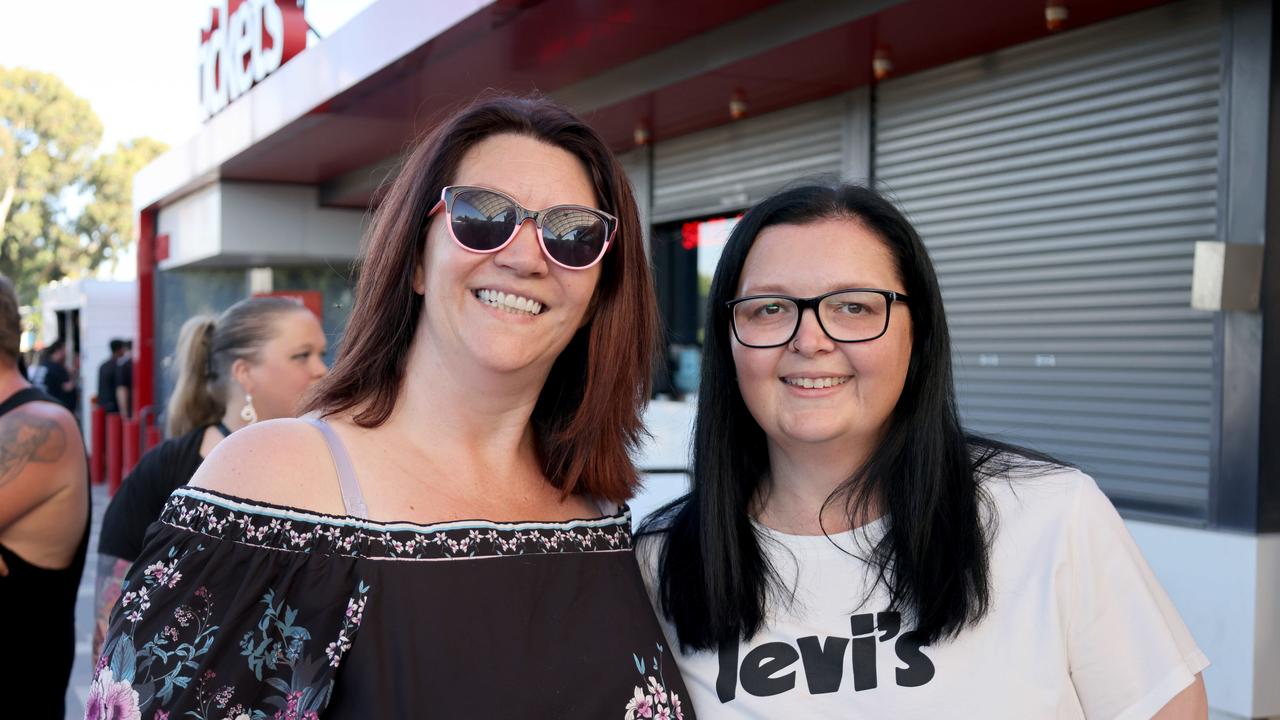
(208, 347)
(194, 402)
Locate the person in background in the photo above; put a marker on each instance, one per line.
(124, 383)
(44, 533)
(53, 378)
(107, 378)
(253, 362)
(847, 549)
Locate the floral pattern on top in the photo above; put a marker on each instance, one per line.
(283, 675)
(215, 515)
(651, 699)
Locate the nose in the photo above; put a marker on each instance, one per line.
(524, 255)
(810, 338)
(318, 368)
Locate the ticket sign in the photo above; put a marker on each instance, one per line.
(245, 41)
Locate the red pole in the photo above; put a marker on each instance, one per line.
(129, 452)
(144, 358)
(115, 443)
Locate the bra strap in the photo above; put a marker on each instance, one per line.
(352, 498)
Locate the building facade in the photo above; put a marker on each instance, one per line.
(1073, 177)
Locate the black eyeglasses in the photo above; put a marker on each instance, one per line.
(846, 316)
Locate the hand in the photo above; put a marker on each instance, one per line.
(4, 569)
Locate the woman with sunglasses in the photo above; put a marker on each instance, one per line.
(443, 535)
(847, 550)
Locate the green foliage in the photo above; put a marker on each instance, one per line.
(62, 210)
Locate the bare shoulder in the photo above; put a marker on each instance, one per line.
(39, 433)
(282, 462)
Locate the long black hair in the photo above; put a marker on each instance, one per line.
(714, 580)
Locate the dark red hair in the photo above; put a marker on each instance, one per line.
(588, 416)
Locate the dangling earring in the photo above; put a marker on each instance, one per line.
(247, 413)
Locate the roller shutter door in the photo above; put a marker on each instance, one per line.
(1061, 186)
(733, 166)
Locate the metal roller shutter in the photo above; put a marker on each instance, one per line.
(1060, 187)
(732, 166)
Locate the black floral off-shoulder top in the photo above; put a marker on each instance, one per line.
(245, 610)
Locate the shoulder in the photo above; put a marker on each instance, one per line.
(1054, 507)
(42, 431)
(282, 462)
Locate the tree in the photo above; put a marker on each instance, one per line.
(62, 209)
(106, 224)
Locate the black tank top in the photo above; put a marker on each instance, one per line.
(38, 607)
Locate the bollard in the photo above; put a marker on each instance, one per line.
(97, 444)
(129, 453)
(149, 430)
(115, 442)
(154, 437)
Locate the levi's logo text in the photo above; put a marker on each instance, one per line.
(829, 664)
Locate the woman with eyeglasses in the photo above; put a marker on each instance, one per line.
(444, 534)
(847, 550)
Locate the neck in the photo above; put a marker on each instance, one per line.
(466, 418)
(802, 479)
(11, 381)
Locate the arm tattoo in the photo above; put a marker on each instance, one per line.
(111, 573)
(26, 437)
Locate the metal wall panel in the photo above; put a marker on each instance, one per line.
(732, 166)
(1061, 186)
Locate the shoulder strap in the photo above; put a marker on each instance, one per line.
(22, 397)
(352, 498)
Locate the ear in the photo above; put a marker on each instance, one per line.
(240, 372)
(420, 265)
(419, 277)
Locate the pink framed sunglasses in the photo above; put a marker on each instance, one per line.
(482, 220)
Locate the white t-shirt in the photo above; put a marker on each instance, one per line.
(1078, 628)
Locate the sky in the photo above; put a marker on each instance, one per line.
(134, 61)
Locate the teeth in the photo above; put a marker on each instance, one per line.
(824, 382)
(510, 303)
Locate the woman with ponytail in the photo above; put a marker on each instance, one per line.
(253, 362)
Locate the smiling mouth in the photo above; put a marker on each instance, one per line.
(509, 302)
(817, 382)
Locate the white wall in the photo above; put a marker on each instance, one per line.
(1227, 587)
(257, 224)
(269, 221)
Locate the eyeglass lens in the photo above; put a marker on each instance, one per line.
(846, 317)
(483, 221)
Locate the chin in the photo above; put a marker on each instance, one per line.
(503, 357)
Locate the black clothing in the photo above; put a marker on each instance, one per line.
(39, 606)
(124, 379)
(277, 607)
(107, 385)
(165, 468)
(51, 377)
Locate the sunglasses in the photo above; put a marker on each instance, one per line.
(485, 221)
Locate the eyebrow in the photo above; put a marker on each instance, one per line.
(772, 289)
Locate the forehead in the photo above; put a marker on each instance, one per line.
(535, 173)
(818, 257)
(296, 326)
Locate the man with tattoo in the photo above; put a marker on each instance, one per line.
(44, 532)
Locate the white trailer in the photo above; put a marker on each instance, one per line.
(88, 314)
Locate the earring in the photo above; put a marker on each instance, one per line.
(248, 413)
